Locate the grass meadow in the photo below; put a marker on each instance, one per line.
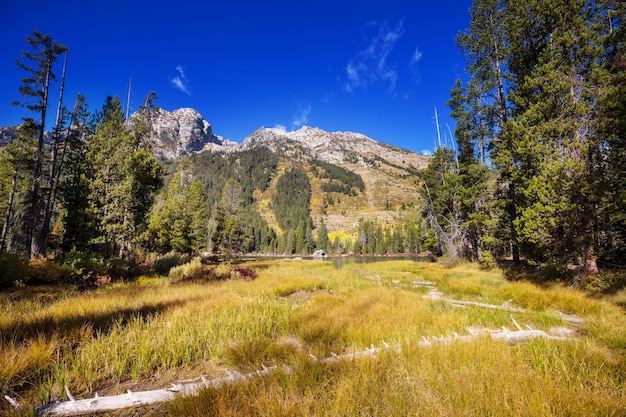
(151, 332)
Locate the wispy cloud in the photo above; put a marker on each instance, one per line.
(415, 58)
(280, 127)
(371, 64)
(180, 81)
(301, 117)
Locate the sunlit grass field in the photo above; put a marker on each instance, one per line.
(150, 333)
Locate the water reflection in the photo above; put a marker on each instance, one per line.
(340, 261)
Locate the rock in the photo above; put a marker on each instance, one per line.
(333, 147)
(182, 132)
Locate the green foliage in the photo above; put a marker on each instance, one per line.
(543, 105)
(45, 270)
(80, 226)
(251, 169)
(84, 267)
(124, 180)
(38, 64)
(322, 237)
(440, 195)
(179, 219)
(13, 269)
(191, 271)
(340, 179)
(401, 237)
(291, 200)
(291, 205)
(162, 263)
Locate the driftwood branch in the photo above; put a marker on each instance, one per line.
(99, 404)
(11, 401)
(506, 307)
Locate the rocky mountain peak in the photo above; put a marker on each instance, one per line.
(334, 147)
(182, 132)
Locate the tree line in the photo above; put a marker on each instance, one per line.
(538, 173)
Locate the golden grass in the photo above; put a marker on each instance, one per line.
(150, 333)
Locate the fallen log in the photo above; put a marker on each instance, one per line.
(130, 399)
(437, 296)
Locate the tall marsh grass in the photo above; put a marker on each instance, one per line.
(150, 333)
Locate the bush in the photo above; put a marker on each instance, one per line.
(487, 260)
(449, 261)
(163, 263)
(193, 270)
(244, 273)
(84, 267)
(47, 271)
(196, 271)
(13, 268)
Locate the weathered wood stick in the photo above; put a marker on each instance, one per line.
(505, 306)
(144, 398)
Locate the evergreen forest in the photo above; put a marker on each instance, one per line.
(536, 176)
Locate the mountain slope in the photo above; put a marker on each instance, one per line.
(389, 174)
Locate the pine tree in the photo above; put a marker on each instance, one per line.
(556, 68)
(473, 193)
(125, 178)
(484, 116)
(17, 164)
(440, 196)
(35, 90)
(322, 237)
(74, 184)
(612, 129)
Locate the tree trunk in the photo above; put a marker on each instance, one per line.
(7, 215)
(36, 249)
(42, 234)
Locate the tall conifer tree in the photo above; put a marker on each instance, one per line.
(35, 89)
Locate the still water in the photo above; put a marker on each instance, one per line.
(340, 261)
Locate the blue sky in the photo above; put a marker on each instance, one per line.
(377, 68)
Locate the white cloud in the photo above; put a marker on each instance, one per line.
(301, 117)
(180, 81)
(371, 65)
(280, 127)
(415, 58)
(427, 152)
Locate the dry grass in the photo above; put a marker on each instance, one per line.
(150, 333)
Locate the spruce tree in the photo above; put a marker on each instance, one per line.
(125, 178)
(35, 89)
(322, 237)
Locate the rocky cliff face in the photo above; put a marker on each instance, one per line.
(182, 132)
(7, 134)
(333, 147)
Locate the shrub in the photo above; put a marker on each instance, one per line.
(163, 263)
(193, 270)
(13, 268)
(487, 260)
(85, 267)
(243, 272)
(46, 270)
(196, 271)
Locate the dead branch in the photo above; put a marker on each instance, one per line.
(99, 404)
(437, 296)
